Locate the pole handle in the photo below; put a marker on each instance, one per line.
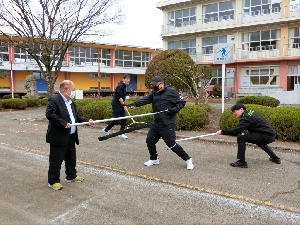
(118, 118)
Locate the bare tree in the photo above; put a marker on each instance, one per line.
(199, 74)
(3, 74)
(47, 28)
(205, 72)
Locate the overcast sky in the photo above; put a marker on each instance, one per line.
(142, 27)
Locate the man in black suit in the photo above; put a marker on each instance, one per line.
(61, 112)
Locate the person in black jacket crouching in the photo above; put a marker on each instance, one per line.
(260, 133)
(163, 98)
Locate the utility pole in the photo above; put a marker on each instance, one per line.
(11, 71)
(99, 71)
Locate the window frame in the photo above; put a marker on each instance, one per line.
(191, 49)
(217, 15)
(178, 19)
(250, 44)
(259, 74)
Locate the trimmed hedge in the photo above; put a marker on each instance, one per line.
(262, 100)
(10, 96)
(15, 103)
(18, 103)
(43, 101)
(191, 117)
(285, 120)
(32, 102)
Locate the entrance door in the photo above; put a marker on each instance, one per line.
(41, 84)
(132, 86)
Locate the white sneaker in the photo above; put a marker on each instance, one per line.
(189, 164)
(152, 162)
(104, 132)
(122, 136)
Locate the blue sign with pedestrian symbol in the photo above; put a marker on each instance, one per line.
(223, 53)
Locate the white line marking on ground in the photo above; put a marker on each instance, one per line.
(72, 213)
(163, 187)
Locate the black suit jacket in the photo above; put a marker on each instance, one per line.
(58, 116)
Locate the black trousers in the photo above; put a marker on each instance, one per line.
(169, 136)
(117, 112)
(58, 153)
(262, 141)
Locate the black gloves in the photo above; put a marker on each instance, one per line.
(130, 105)
(171, 111)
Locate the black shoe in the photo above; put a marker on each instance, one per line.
(275, 160)
(239, 164)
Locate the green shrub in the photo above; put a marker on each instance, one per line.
(32, 102)
(217, 90)
(10, 96)
(14, 104)
(43, 101)
(263, 100)
(284, 120)
(191, 117)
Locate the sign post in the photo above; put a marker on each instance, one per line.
(223, 54)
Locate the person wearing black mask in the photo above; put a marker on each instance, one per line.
(163, 98)
(118, 106)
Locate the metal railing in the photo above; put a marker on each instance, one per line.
(286, 50)
(237, 20)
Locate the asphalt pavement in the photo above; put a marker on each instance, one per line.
(119, 189)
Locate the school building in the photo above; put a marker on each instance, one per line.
(81, 65)
(265, 34)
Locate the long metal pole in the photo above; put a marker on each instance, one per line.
(223, 86)
(201, 136)
(99, 74)
(118, 118)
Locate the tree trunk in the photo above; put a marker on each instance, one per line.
(50, 82)
(206, 96)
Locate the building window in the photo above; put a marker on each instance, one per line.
(208, 43)
(293, 78)
(217, 77)
(22, 56)
(89, 56)
(102, 75)
(183, 17)
(132, 59)
(261, 40)
(294, 5)
(187, 45)
(260, 76)
(260, 7)
(294, 37)
(219, 11)
(4, 51)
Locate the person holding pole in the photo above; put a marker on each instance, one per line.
(61, 112)
(118, 106)
(260, 133)
(163, 98)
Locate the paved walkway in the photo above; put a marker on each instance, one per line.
(119, 189)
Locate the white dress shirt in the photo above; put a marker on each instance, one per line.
(68, 104)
